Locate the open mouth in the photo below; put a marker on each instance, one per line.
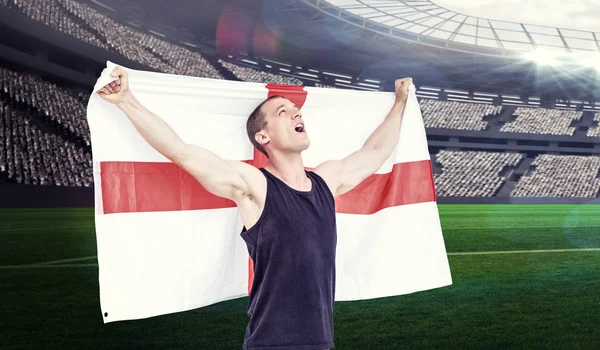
(299, 128)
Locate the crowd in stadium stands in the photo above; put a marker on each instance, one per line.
(29, 155)
(50, 13)
(46, 100)
(595, 132)
(560, 176)
(542, 121)
(326, 86)
(39, 120)
(89, 25)
(258, 76)
(456, 115)
(472, 173)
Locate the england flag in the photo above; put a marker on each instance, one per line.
(167, 245)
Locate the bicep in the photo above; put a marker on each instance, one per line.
(220, 177)
(343, 175)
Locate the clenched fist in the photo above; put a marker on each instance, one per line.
(402, 89)
(115, 91)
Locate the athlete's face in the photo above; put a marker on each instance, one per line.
(285, 131)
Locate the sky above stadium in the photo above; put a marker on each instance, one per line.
(569, 14)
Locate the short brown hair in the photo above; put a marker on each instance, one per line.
(257, 122)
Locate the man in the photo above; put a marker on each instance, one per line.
(288, 212)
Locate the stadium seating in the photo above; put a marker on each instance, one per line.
(29, 155)
(50, 13)
(33, 151)
(456, 115)
(326, 86)
(91, 26)
(471, 173)
(258, 76)
(46, 100)
(561, 176)
(595, 132)
(542, 121)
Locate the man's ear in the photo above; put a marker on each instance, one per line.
(262, 138)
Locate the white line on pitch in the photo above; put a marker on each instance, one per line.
(527, 251)
(7, 267)
(42, 228)
(54, 263)
(66, 260)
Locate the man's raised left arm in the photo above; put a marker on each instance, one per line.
(343, 175)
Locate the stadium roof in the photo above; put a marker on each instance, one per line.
(572, 14)
(430, 24)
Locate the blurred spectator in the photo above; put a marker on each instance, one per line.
(595, 132)
(472, 174)
(91, 26)
(326, 86)
(52, 14)
(29, 155)
(542, 121)
(560, 176)
(456, 115)
(258, 76)
(46, 100)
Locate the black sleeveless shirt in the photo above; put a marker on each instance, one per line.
(293, 247)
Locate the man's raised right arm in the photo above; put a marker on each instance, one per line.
(222, 178)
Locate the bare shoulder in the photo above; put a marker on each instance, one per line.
(329, 172)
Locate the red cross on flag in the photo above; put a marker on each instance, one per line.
(166, 245)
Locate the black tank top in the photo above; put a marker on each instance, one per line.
(293, 247)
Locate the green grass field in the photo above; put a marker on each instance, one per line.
(543, 291)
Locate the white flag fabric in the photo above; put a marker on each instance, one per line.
(166, 245)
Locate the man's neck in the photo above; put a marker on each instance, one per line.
(290, 169)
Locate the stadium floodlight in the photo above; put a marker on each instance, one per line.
(543, 57)
(556, 58)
